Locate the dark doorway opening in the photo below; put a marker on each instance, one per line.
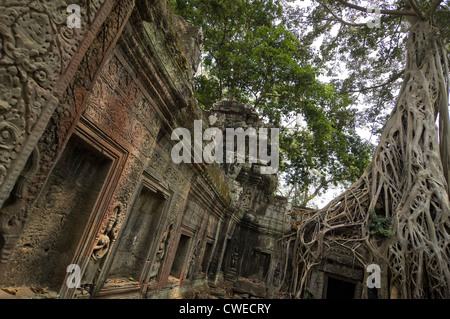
(206, 257)
(225, 255)
(180, 256)
(139, 236)
(340, 289)
(62, 213)
(257, 266)
(372, 293)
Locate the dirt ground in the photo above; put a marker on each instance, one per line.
(26, 293)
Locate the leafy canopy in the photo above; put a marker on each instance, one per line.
(373, 57)
(253, 54)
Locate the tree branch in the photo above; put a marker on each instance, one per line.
(390, 12)
(416, 9)
(434, 6)
(340, 19)
(307, 198)
(395, 77)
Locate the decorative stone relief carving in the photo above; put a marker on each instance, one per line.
(36, 51)
(277, 275)
(106, 239)
(158, 162)
(121, 109)
(236, 255)
(246, 199)
(34, 62)
(14, 214)
(161, 253)
(194, 259)
(109, 234)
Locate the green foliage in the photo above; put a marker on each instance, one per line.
(366, 65)
(441, 20)
(253, 54)
(246, 51)
(372, 59)
(379, 226)
(206, 90)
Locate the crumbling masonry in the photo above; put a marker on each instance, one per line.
(86, 177)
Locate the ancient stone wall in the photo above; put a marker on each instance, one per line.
(87, 175)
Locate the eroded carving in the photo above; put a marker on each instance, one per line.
(104, 242)
(194, 259)
(161, 253)
(33, 61)
(36, 48)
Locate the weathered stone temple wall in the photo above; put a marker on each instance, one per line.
(86, 117)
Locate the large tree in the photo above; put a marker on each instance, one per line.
(398, 210)
(253, 53)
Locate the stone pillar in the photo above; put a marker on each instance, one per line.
(219, 252)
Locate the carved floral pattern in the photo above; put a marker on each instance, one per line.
(36, 48)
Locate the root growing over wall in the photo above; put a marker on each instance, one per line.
(407, 183)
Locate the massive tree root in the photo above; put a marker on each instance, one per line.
(406, 182)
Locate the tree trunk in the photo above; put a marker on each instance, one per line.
(407, 181)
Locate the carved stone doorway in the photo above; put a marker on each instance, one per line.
(62, 213)
(180, 257)
(138, 238)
